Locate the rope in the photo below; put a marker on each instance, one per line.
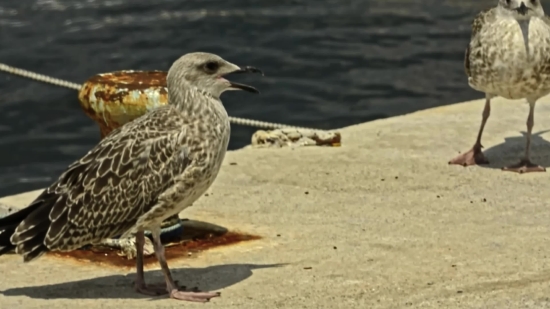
(66, 84)
(39, 77)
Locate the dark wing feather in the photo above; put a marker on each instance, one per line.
(467, 61)
(9, 223)
(544, 69)
(481, 19)
(102, 194)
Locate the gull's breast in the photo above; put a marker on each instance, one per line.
(501, 64)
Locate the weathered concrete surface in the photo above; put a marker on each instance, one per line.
(383, 221)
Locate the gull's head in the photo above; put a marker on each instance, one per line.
(207, 72)
(522, 9)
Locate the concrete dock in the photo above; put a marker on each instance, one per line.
(381, 222)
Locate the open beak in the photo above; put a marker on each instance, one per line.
(246, 69)
(522, 9)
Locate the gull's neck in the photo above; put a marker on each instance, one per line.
(194, 102)
(523, 25)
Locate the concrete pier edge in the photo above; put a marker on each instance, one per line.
(381, 222)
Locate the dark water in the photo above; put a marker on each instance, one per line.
(328, 63)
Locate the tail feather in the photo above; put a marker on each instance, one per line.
(5, 235)
(33, 223)
(33, 248)
(9, 223)
(18, 216)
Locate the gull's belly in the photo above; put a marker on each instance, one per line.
(205, 178)
(208, 158)
(500, 63)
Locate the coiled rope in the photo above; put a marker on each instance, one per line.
(66, 84)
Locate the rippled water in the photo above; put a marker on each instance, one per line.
(328, 63)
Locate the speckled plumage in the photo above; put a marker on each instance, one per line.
(508, 56)
(140, 174)
(496, 59)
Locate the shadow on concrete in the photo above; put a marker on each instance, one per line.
(121, 286)
(512, 149)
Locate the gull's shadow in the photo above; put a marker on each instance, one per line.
(121, 286)
(513, 148)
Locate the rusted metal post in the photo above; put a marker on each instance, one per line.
(113, 99)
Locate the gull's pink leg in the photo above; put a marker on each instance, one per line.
(474, 155)
(140, 286)
(171, 286)
(525, 165)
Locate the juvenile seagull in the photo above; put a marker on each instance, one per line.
(509, 56)
(140, 174)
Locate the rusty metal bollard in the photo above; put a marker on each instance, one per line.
(113, 99)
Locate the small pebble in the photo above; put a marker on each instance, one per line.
(382, 179)
(306, 192)
(396, 177)
(233, 163)
(484, 199)
(430, 283)
(459, 292)
(438, 196)
(278, 235)
(308, 267)
(206, 194)
(471, 202)
(335, 247)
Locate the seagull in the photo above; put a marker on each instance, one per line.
(140, 174)
(509, 56)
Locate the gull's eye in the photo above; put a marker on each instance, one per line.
(533, 1)
(211, 66)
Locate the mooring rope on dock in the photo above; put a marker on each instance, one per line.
(39, 77)
(66, 84)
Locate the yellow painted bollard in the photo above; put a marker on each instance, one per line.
(113, 99)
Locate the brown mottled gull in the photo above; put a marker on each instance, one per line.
(509, 56)
(140, 174)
